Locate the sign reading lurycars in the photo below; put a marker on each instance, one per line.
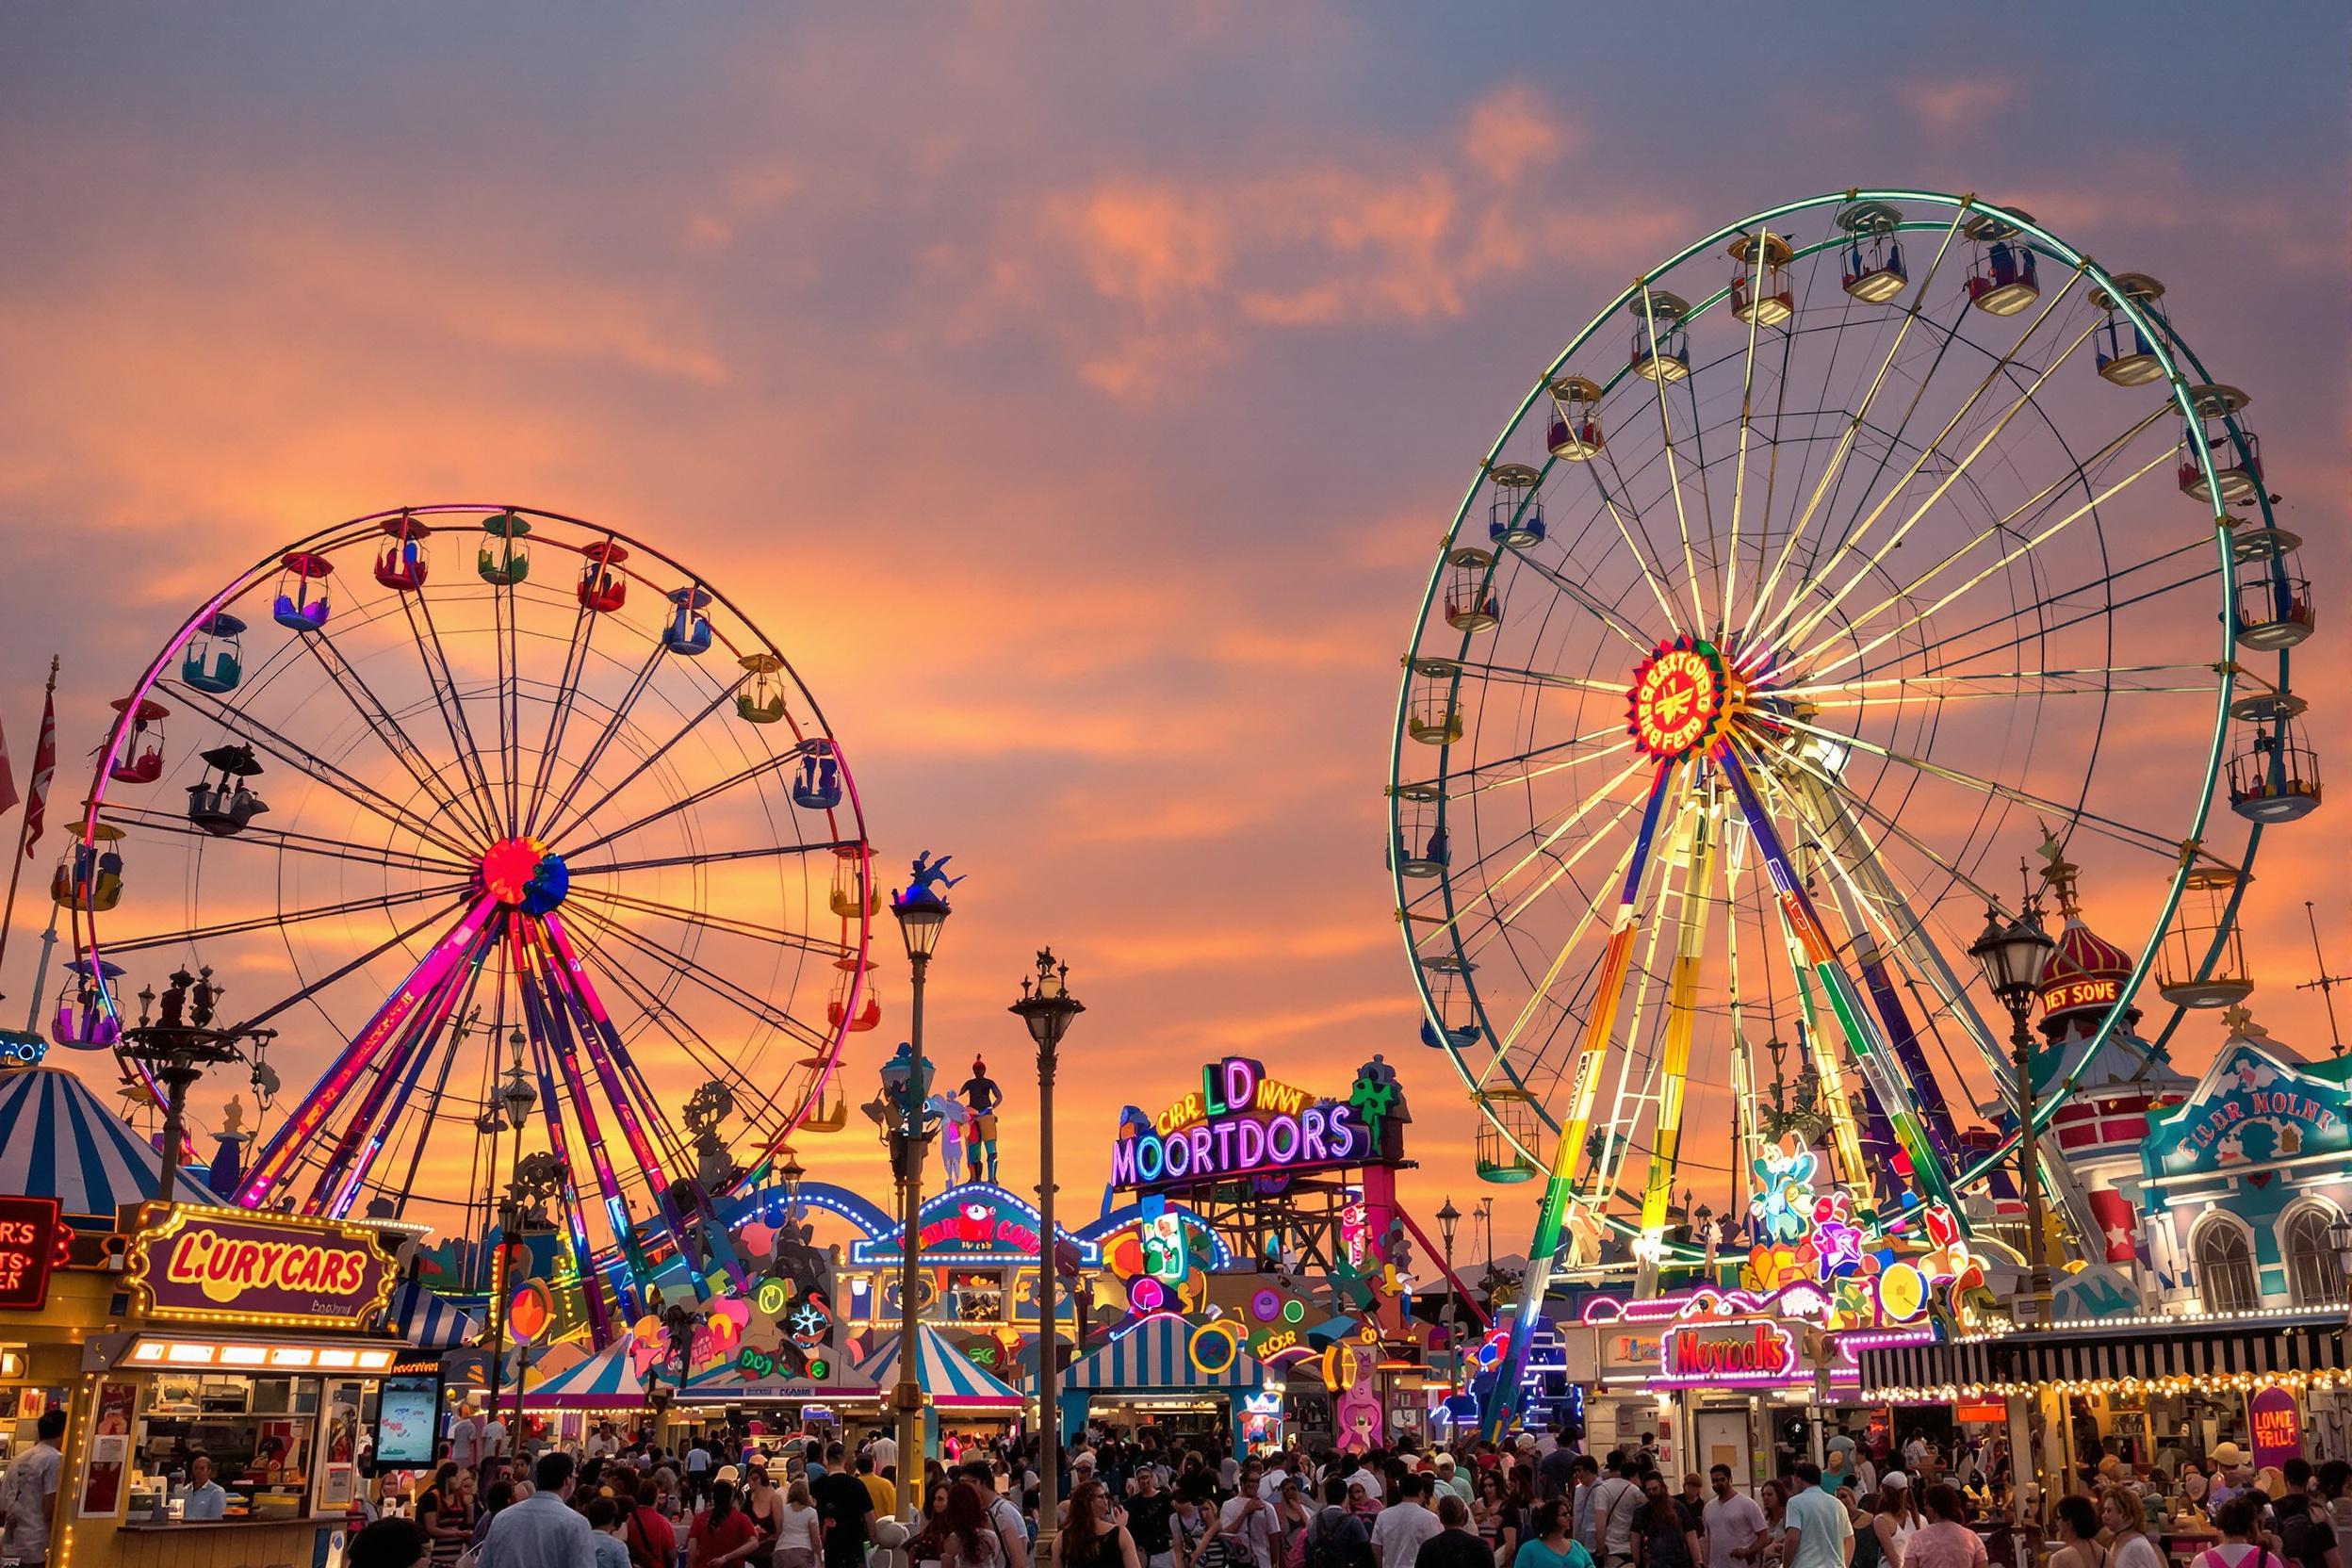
(227, 1266)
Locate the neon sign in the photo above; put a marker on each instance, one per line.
(198, 1265)
(2079, 993)
(1241, 1123)
(1713, 1351)
(1677, 699)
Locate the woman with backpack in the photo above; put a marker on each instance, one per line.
(2240, 1522)
(1291, 1521)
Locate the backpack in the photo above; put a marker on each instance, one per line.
(1336, 1538)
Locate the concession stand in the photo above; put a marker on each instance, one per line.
(255, 1340)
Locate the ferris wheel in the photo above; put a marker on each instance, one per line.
(1847, 555)
(461, 798)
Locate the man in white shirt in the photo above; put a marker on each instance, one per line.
(601, 1443)
(1249, 1519)
(1399, 1533)
(885, 1451)
(203, 1500)
(32, 1492)
(493, 1437)
(1375, 1489)
(1820, 1533)
(465, 1438)
(1616, 1504)
(542, 1531)
(1735, 1523)
(1012, 1533)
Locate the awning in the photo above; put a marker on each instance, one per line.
(425, 1319)
(604, 1382)
(59, 1140)
(951, 1378)
(1158, 1354)
(2245, 1351)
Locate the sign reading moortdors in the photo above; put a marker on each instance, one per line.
(1240, 1122)
(198, 1265)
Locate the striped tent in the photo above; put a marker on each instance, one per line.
(58, 1140)
(604, 1382)
(1157, 1354)
(946, 1374)
(423, 1318)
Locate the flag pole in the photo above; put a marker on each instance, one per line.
(16, 871)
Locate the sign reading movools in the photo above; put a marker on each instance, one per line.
(1241, 1122)
(199, 1265)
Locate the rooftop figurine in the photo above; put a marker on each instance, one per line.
(927, 881)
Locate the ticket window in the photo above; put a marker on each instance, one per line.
(281, 1448)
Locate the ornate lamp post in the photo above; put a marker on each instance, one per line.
(1047, 1007)
(922, 910)
(2013, 955)
(177, 1048)
(907, 1131)
(514, 1102)
(1448, 1217)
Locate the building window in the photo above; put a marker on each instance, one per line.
(2314, 1273)
(2225, 1269)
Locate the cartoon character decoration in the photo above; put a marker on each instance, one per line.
(711, 1105)
(948, 1112)
(1379, 1101)
(981, 1099)
(1348, 1372)
(1355, 1234)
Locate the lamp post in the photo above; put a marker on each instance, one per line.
(1047, 1007)
(176, 1049)
(2013, 955)
(1448, 1217)
(515, 1100)
(922, 910)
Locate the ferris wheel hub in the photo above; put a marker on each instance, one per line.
(524, 875)
(1681, 698)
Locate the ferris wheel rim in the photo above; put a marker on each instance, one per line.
(2127, 301)
(827, 1042)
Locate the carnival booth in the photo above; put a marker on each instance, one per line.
(956, 1392)
(257, 1341)
(1171, 1374)
(775, 1402)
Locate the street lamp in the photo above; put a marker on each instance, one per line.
(1448, 1217)
(2013, 955)
(514, 1101)
(1047, 1007)
(922, 910)
(176, 1049)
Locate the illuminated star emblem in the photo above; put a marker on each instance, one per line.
(808, 1320)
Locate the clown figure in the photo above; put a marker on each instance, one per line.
(981, 1099)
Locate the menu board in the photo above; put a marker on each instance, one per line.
(408, 1422)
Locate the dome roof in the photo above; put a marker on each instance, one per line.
(2087, 971)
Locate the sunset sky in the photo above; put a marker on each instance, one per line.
(1077, 394)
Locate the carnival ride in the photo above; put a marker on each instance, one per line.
(546, 811)
(1854, 548)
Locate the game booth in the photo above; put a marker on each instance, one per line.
(1186, 1378)
(257, 1341)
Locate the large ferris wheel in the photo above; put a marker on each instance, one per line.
(457, 798)
(1849, 552)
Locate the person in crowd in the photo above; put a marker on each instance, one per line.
(723, 1534)
(847, 1508)
(931, 1531)
(1150, 1509)
(2305, 1539)
(1002, 1513)
(1818, 1531)
(969, 1537)
(1340, 1537)
(2074, 1521)
(604, 1522)
(879, 1487)
(1093, 1538)
(1732, 1522)
(449, 1528)
(541, 1530)
(1398, 1532)
(1895, 1519)
(205, 1499)
(1664, 1535)
(1455, 1545)
(2126, 1520)
(1943, 1538)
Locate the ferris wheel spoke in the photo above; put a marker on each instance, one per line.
(2107, 607)
(386, 729)
(282, 841)
(1836, 465)
(1673, 471)
(2092, 682)
(1503, 920)
(1543, 992)
(769, 936)
(2121, 832)
(709, 858)
(647, 761)
(566, 692)
(715, 984)
(606, 731)
(1902, 595)
(397, 939)
(456, 992)
(1820, 571)
(462, 1019)
(1584, 599)
(1654, 578)
(1545, 837)
(773, 763)
(318, 769)
(192, 935)
(434, 660)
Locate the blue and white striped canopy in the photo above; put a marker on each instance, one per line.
(424, 1319)
(604, 1382)
(58, 1140)
(952, 1378)
(1157, 1353)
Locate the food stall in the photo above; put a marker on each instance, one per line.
(255, 1340)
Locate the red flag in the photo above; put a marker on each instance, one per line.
(45, 763)
(8, 778)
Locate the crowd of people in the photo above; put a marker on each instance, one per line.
(1540, 1501)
